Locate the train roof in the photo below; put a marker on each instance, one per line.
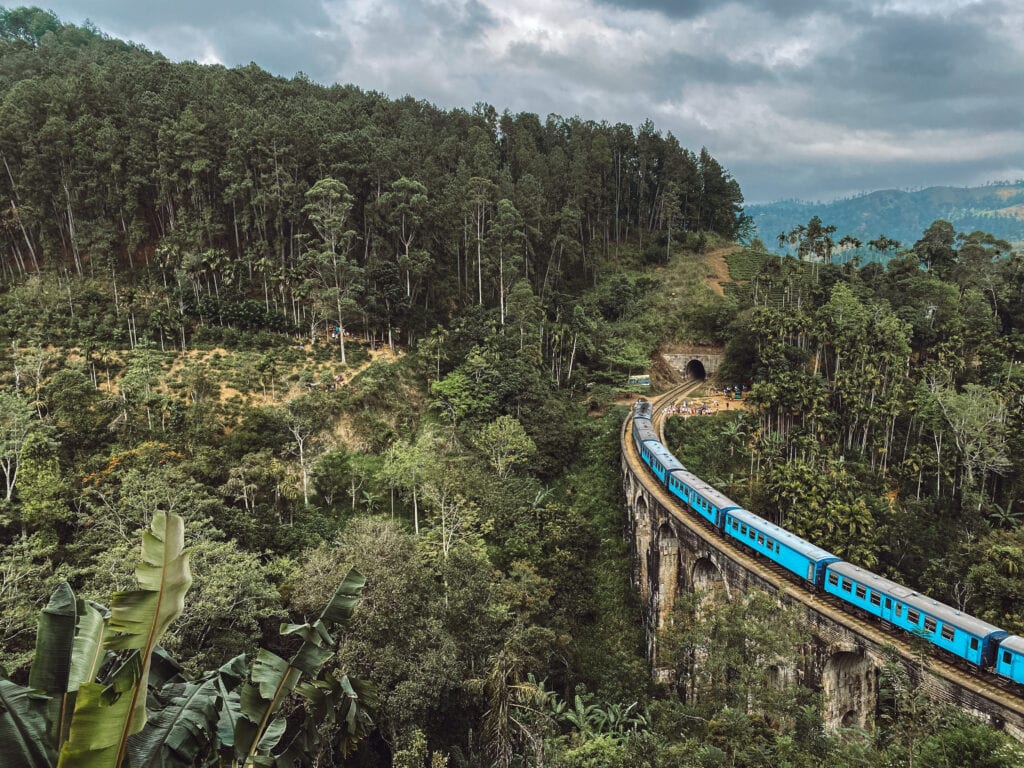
(791, 540)
(709, 492)
(645, 430)
(945, 613)
(1013, 643)
(949, 615)
(668, 461)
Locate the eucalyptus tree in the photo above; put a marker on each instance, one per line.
(504, 240)
(338, 277)
(404, 207)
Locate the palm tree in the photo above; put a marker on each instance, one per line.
(733, 434)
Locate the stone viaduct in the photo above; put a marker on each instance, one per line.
(674, 552)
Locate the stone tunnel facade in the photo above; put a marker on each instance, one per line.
(672, 555)
(695, 362)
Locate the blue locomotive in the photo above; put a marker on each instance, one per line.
(976, 641)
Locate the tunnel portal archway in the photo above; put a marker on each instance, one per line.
(695, 368)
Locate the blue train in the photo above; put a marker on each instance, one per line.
(976, 641)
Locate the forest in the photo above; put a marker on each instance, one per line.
(351, 364)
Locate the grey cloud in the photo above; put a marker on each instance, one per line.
(689, 9)
(907, 72)
(225, 12)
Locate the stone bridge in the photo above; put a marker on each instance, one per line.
(674, 552)
(695, 362)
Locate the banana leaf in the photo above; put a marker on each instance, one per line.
(328, 702)
(105, 716)
(185, 725)
(23, 727)
(69, 652)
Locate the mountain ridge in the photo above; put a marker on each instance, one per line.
(997, 208)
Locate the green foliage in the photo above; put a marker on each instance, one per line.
(506, 445)
(105, 723)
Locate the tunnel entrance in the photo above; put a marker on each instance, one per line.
(695, 368)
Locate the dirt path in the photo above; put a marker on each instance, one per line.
(718, 270)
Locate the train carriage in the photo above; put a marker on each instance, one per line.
(959, 633)
(1010, 658)
(659, 459)
(866, 590)
(643, 431)
(796, 555)
(704, 499)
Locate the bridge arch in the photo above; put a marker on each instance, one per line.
(668, 574)
(849, 682)
(706, 576)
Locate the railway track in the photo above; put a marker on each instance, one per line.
(982, 684)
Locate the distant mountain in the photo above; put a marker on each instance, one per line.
(996, 208)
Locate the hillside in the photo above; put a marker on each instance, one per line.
(996, 208)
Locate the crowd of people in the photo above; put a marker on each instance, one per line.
(705, 407)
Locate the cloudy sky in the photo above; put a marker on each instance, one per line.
(798, 98)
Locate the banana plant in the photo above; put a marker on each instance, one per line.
(69, 652)
(69, 719)
(107, 714)
(256, 729)
(34, 721)
(64, 718)
(183, 724)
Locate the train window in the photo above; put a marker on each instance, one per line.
(974, 643)
(1006, 657)
(861, 592)
(875, 599)
(913, 616)
(735, 524)
(760, 538)
(743, 530)
(929, 624)
(948, 632)
(752, 534)
(833, 579)
(899, 609)
(847, 585)
(888, 604)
